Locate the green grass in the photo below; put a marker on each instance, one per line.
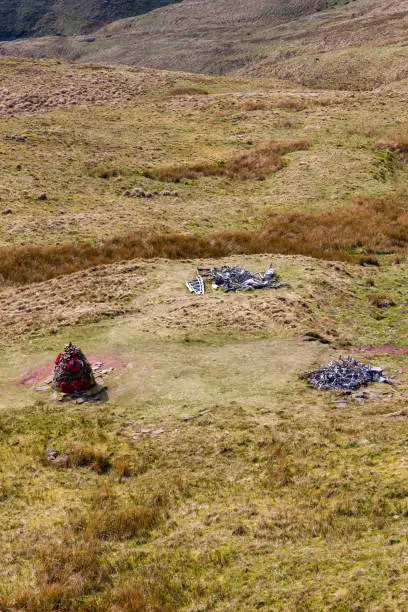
(260, 492)
(269, 485)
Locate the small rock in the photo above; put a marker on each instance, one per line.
(157, 432)
(166, 193)
(340, 403)
(42, 196)
(43, 388)
(138, 193)
(188, 418)
(51, 453)
(175, 194)
(7, 211)
(145, 431)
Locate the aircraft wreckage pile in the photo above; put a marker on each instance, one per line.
(233, 278)
(345, 374)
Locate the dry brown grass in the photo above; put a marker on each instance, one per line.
(256, 164)
(366, 227)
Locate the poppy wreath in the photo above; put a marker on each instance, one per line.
(72, 371)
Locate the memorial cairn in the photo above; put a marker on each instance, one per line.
(72, 372)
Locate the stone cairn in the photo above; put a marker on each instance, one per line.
(72, 371)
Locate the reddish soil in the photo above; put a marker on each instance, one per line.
(37, 373)
(382, 348)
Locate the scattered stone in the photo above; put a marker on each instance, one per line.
(57, 458)
(42, 196)
(7, 211)
(137, 192)
(188, 418)
(145, 431)
(157, 432)
(51, 453)
(43, 388)
(166, 193)
(340, 403)
(399, 413)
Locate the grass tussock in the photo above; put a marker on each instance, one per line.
(254, 105)
(188, 91)
(256, 164)
(123, 523)
(357, 233)
(381, 301)
(396, 143)
(85, 455)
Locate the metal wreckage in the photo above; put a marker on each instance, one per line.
(345, 375)
(233, 278)
(341, 375)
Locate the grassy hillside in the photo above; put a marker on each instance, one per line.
(338, 45)
(212, 477)
(24, 18)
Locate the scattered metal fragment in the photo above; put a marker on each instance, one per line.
(346, 374)
(233, 278)
(197, 285)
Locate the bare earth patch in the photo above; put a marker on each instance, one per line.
(383, 349)
(37, 373)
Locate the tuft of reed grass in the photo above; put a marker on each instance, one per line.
(123, 523)
(85, 455)
(256, 164)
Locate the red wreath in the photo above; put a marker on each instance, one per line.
(74, 365)
(64, 386)
(58, 358)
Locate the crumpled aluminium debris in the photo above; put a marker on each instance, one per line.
(233, 278)
(345, 374)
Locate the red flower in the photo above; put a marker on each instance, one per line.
(64, 386)
(84, 383)
(75, 386)
(58, 358)
(74, 365)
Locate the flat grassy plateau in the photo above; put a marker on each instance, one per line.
(213, 477)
